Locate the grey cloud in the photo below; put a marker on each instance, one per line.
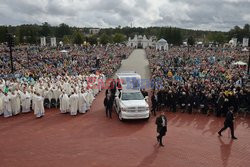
(202, 14)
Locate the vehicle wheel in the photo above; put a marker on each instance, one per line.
(120, 116)
(147, 118)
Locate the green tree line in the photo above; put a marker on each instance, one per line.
(31, 33)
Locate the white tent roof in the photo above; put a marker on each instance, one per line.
(162, 41)
(245, 50)
(240, 63)
(64, 51)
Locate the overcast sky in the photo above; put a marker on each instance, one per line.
(194, 14)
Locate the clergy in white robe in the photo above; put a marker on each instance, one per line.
(1, 102)
(89, 98)
(91, 95)
(33, 95)
(95, 89)
(7, 106)
(57, 92)
(25, 101)
(67, 88)
(82, 104)
(48, 94)
(39, 107)
(15, 103)
(64, 103)
(73, 100)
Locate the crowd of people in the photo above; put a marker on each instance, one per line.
(38, 61)
(46, 78)
(199, 79)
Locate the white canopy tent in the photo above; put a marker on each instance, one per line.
(64, 51)
(240, 63)
(162, 44)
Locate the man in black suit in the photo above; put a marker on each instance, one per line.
(108, 103)
(161, 123)
(154, 103)
(229, 123)
(144, 93)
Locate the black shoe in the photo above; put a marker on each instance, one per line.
(219, 133)
(161, 145)
(234, 138)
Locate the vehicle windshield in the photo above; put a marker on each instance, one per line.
(132, 96)
(123, 81)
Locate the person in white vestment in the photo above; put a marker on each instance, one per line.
(48, 94)
(95, 89)
(33, 95)
(64, 103)
(39, 107)
(82, 104)
(25, 101)
(67, 88)
(1, 101)
(91, 95)
(56, 94)
(7, 106)
(73, 100)
(15, 102)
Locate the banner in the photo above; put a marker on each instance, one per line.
(245, 42)
(53, 42)
(43, 41)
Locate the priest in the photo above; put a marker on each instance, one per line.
(15, 102)
(39, 107)
(73, 100)
(25, 101)
(1, 101)
(64, 102)
(7, 106)
(82, 104)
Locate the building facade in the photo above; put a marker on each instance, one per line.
(140, 41)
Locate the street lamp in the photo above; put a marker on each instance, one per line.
(11, 43)
(248, 66)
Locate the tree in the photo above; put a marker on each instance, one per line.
(66, 39)
(191, 41)
(119, 38)
(105, 39)
(62, 30)
(219, 37)
(3, 33)
(92, 39)
(78, 38)
(45, 31)
(28, 34)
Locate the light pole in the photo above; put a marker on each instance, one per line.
(10, 40)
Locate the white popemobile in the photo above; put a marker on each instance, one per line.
(129, 101)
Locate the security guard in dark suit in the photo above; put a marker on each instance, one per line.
(161, 123)
(229, 123)
(108, 103)
(154, 104)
